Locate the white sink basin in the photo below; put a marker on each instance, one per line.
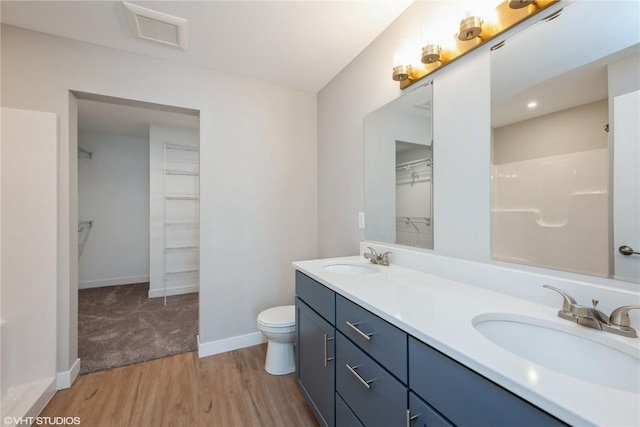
(351, 269)
(588, 354)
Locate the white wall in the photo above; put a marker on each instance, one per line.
(258, 180)
(113, 192)
(29, 260)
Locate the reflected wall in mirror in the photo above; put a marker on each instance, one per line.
(564, 174)
(398, 170)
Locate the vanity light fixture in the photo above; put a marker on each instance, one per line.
(470, 28)
(401, 72)
(431, 53)
(519, 4)
(532, 104)
(476, 29)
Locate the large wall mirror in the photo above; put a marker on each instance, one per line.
(565, 158)
(398, 168)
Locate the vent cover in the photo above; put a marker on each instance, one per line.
(156, 26)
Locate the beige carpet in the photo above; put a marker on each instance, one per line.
(120, 325)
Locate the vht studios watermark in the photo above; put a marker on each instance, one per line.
(38, 421)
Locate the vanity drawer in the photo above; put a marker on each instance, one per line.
(380, 339)
(345, 416)
(317, 296)
(423, 415)
(374, 395)
(465, 397)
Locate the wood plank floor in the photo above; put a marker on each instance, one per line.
(227, 390)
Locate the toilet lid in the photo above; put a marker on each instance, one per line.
(278, 316)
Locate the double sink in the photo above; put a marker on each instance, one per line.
(569, 349)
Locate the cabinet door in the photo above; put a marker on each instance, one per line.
(422, 415)
(315, 363)
(465, 397)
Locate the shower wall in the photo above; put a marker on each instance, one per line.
(550, 198)
(553, 212)
(29, 261)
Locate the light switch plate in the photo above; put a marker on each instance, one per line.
(361, 220)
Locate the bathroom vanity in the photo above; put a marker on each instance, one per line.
(391, 346)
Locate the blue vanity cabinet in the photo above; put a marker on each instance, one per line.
(375, 396)
(356, 369)
(315, 334)
(466, 398)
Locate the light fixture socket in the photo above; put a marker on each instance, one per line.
(519, 4)
(470, 28)
(401, 72)
(431, 53)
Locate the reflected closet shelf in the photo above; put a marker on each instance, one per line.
(181, 273)
(182, 248)
(181, 172)
(182, 224)
(181, 197)
(170, 146)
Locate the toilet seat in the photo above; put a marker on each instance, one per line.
(278, 317)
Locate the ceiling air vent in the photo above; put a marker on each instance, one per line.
(156, 26)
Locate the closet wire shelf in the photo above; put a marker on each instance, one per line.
(179, 166)
(414, 224)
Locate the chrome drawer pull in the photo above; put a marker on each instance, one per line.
(364, 382)
(326, 359)
(410, 418)
(354, 326)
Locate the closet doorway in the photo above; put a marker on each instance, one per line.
(138, 231)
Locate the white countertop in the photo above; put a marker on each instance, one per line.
(440, 312)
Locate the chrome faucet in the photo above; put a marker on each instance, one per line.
(373, 256)
(617, 323)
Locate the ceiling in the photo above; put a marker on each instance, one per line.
(298, 44)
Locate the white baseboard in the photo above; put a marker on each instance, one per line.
(221, 346)
(114, 281)
(178, 290)
(66, 378)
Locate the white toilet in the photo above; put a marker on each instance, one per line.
(278, 324)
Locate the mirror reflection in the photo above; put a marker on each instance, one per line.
(561, 133)
(398, 167)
